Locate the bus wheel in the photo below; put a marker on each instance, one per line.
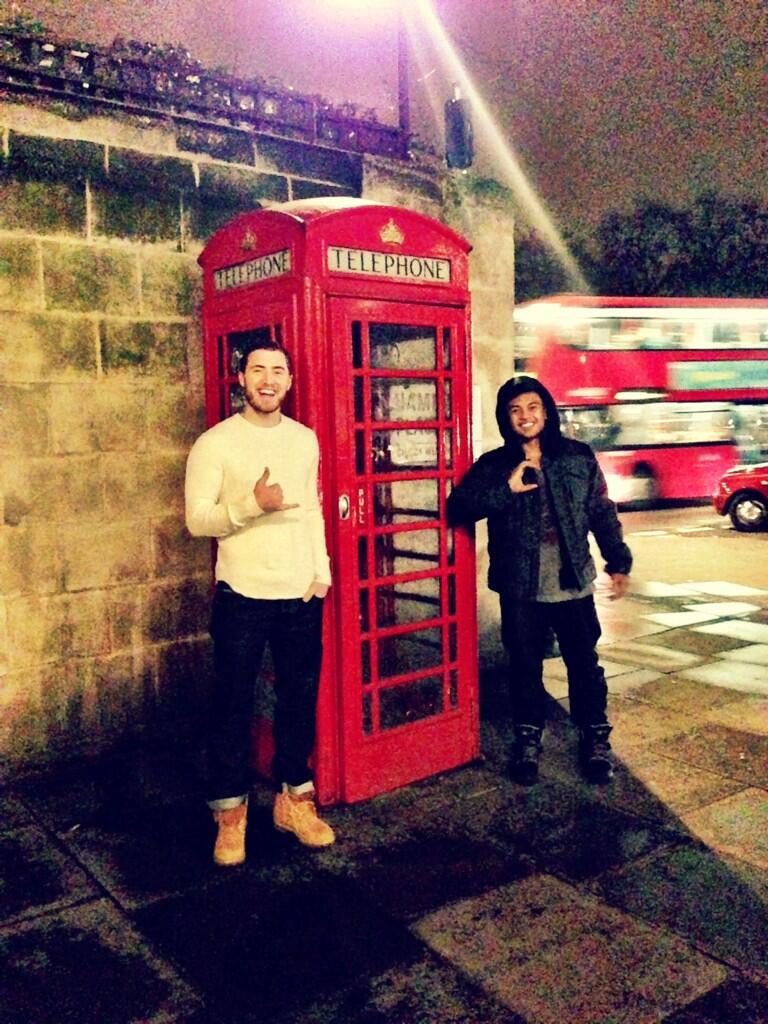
(645, 487)
(748, 512)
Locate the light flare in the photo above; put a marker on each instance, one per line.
(507, 164)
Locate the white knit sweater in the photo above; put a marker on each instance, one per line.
(269, 555)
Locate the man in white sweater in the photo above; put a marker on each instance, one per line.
(252, 483)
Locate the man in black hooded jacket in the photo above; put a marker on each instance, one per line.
(543, 494)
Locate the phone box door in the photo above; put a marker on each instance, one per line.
(405, 582)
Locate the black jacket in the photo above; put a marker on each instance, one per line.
(578, 495)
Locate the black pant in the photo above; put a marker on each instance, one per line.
(524, 629)
(241, 627)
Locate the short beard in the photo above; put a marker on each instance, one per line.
(528, 437)
(251, 397)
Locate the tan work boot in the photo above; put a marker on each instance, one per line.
(297, 814)
(230, 840)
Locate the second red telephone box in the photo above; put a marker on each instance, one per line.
(372, 302)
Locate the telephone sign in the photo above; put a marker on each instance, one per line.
(273, 265)
(372, 302)
(397, 266)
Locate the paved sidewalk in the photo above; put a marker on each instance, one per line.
(460, 900)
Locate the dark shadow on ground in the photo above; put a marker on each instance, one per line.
(461, 898)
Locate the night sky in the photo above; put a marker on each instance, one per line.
(605, 102)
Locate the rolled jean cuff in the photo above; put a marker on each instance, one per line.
(301, 789)
(228, 802)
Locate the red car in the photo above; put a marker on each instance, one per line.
(742, 494)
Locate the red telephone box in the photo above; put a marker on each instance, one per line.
(372, 302)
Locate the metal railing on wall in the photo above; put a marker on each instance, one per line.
(137, 76)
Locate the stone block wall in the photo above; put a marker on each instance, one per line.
(103, 596)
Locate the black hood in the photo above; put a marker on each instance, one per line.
(550, 436)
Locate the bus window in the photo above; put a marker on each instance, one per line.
(726, 335)
(754, 335)
(602, 334)
(673, 423)
(576, 335)
(654, 334)
(700, 335)
(527, 343)
(674, 332)
(593, 425)
(751, 432)
(637, 423)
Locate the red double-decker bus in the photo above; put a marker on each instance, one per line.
(669, 392)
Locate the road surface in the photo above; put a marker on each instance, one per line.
(688, 544)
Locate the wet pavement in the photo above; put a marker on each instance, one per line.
(463, 898)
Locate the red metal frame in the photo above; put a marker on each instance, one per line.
(398, 697)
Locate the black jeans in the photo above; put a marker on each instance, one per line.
(524, 628)
(241, 628)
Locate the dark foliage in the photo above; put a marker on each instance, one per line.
(717, 247)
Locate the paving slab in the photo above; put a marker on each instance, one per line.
(738, 1000)
(410, 879)
(664, 789)
(87, 964)
(626, 792)
(147, 855)
(556, 683)
(651, 588)
(732, 753)
(743, 677)
(631, 607)
(723, 608)
(724, 588)
(739, 629)
(754, 654)
(457, 805)
(66, 798)
(553, 954)
(694, 642)
(555, 670)
(673, 620)
(747, 713)
(642, 793)
(255, 949)
(638, 726)
(628, 630)
(691, 697)
(736, 825)
(36, 876)
(645, 655)
(76, 795)
(429, 991)
(632, 681)
(565, 829)
(716, 902)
